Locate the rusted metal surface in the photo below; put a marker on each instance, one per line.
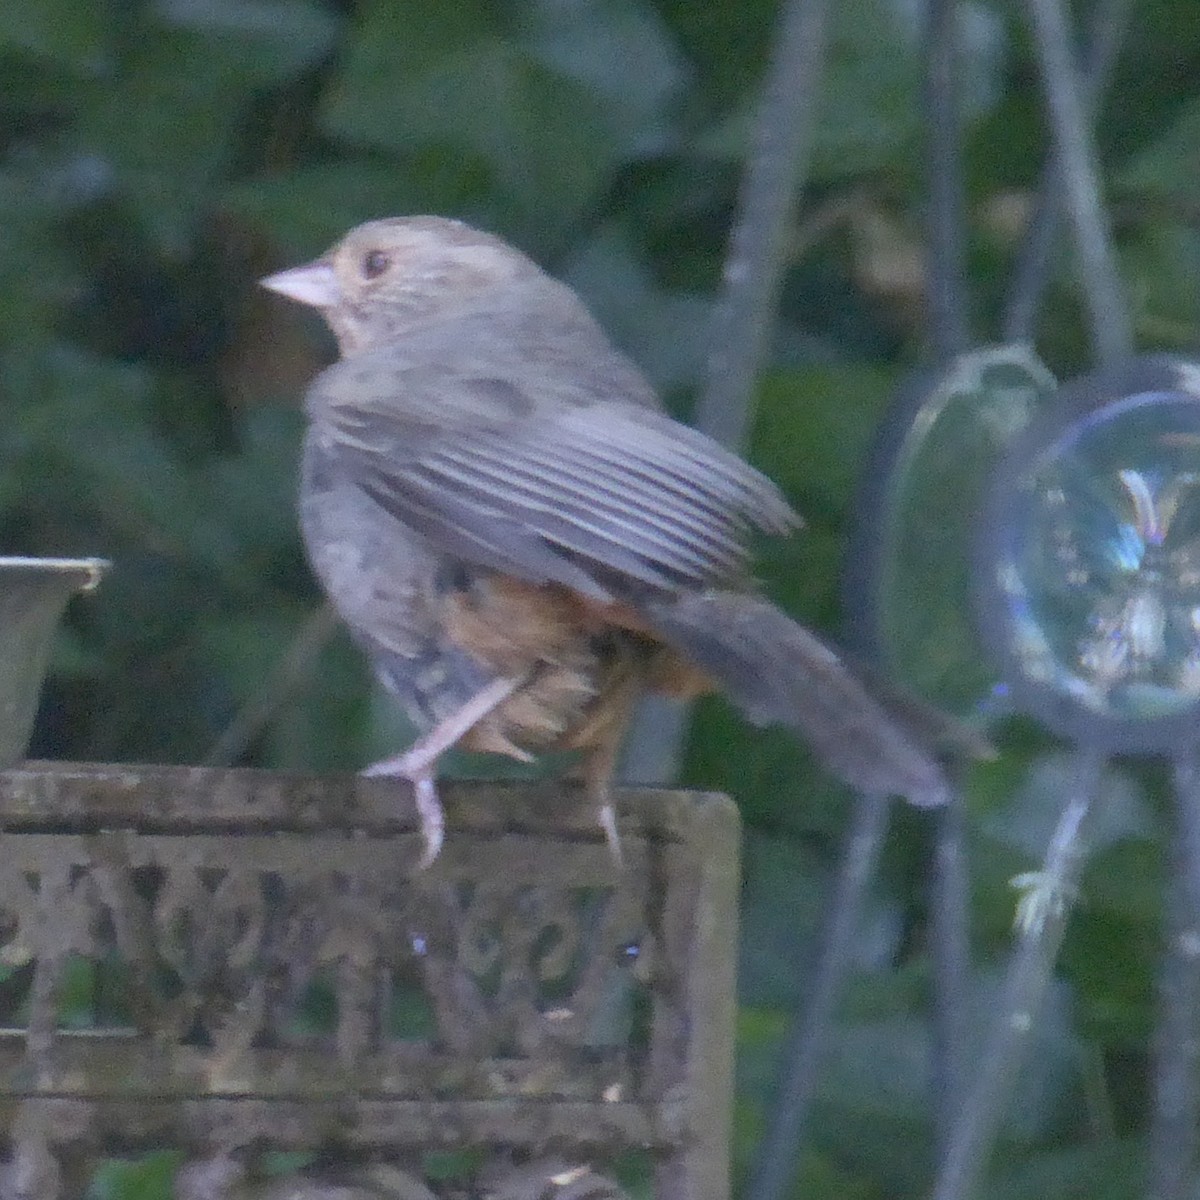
(230, 960)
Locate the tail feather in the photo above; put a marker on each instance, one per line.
(779, 673)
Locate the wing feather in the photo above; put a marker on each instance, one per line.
(553, 486)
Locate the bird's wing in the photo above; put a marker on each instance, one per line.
(603, 496)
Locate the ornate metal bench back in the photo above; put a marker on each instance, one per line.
(218, 960)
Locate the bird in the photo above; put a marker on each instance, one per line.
(524, 542)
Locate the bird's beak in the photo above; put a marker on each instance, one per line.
(315, 284)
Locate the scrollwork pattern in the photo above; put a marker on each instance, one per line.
(241, 955)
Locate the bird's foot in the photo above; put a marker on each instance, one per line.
(419, 772)
(418, 762)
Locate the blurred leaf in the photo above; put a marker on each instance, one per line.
(233, 522)
(34, 271)
(110, 452)
(1019, 798)
(880, 1067)
(146, 1178)
(866, 118)
(417, 74)
(326, 726)
(728, 41)
(168, 123)
(665, 333)
(812, 429)
(875, 1094)
(767, 771)
(984, 55)
(73, 658)
(887, 1140)
(1168, 167)
(389, 726)
(868, 1117)
(1162, 262)
(760, 1034)
(76, 34)
(244, 650)
(811, 433)
(1100, 1169)
(1126, 878)
(309, 208)
(777, 944)
(266, 41)
(622, 53)
(254, 491)
(166, 126)
(1112, 960)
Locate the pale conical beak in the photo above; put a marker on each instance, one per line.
(315, 284)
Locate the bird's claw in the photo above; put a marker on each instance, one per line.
(429, 806)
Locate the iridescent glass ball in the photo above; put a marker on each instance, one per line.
(1095, 571)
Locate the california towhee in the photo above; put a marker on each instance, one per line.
(524, 542)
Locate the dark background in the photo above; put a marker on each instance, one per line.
(156, 158)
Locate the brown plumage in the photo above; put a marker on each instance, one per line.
(524, 542)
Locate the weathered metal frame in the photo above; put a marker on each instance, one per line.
(77, 840)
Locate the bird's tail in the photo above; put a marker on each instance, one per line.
(779, 673)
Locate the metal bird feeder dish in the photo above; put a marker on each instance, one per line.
(33, 594)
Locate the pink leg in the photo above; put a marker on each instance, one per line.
(599, 768)
(418, 762)
(608, 822)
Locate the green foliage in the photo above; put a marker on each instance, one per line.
(147, 1178)
(157, 157)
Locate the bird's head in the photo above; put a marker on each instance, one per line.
(387, 276)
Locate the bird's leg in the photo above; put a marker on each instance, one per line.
(417, 763)
(599, 768)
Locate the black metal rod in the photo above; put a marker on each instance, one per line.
(1173, 1126)
(1029, 972)
(947, 304)
(802, 1059)
(1079, 175)
(1107, 26)
(945, 220)
(951, 955)
(776, 169)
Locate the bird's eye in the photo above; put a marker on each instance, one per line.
(374, 263)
